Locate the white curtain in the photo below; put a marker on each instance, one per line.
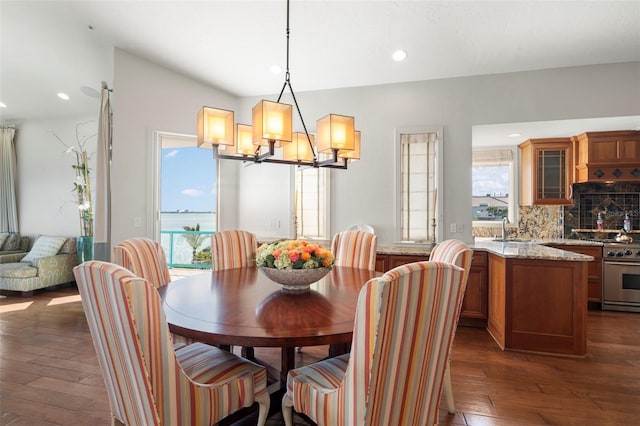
(102, 202)
(9, 209)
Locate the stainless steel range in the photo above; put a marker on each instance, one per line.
(621, 277)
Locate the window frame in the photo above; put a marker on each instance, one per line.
(297, 197)
(438, 184)
(514, 185)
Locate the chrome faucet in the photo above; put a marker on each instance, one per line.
(505, 220)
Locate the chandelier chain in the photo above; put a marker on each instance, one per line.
(287, 82)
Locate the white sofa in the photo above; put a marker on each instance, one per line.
(13, 247)
(39, 268)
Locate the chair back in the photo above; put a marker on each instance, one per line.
(145, 258)
(403, 332)
(132, 342)
(362, 227)
(233, 249)
(356, 249)
(457, 253)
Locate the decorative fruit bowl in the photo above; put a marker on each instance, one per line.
(295, 280)
(294, 264)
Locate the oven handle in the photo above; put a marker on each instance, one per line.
(620, 263)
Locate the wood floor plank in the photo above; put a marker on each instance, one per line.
(19, 377)
(68, 388)
(56, 396)
(479, 420)
(49, 413)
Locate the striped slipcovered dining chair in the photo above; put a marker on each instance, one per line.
(356, 249)
(145, 258)
(459, 254)
(233, 249)
(148, 382)
(403, 332)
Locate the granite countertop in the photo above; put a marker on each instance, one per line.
(568, 242)
(407, 250)
(531, 250)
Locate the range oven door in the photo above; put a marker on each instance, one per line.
(621, 289)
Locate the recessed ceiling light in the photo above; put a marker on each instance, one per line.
(275, 69)
(514, 135)
(63, 96)
(3, 105)
(399, 55)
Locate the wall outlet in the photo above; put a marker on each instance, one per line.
(460, 228)
(137, 221)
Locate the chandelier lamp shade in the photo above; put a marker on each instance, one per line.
(215, 127)
(272, 127)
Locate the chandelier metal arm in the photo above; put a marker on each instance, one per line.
(304, 126)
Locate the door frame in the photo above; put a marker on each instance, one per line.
(158, 138)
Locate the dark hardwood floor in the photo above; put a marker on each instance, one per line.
(49, 373)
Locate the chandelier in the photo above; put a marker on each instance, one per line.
(271, 128)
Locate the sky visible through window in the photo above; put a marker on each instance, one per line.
(188, 180)
(491, 180)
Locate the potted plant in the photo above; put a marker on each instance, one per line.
(82, 188)
(194, 238)
(203, 257)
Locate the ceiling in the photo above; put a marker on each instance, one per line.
(53, 46)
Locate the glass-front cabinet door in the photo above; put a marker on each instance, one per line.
(546, 171)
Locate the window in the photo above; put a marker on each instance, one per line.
(493, 185)
(183, 181)
(420, 171)
(311, 202)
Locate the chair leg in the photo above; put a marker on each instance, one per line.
(287, 410)
(264, 402)
(448, 389)
(248, 353)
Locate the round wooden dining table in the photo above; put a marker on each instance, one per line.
(245, 308)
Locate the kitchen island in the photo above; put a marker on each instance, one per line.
(537, 297)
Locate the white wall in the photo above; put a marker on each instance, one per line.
(148, 98)
(365, 192)
(45, 197)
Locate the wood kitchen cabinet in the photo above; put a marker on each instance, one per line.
(594, 268)
(607, 156)
(546, 171)
(385, 262)
(474, 305)
(382, 263)
(538, 305)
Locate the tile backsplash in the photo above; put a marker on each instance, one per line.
(533, 222)
(540, 222)
(613, 201)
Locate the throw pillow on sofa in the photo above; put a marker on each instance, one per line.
(44, 246)
(3, 237)
(12, 242)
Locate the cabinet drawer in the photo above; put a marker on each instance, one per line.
(479, 258)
